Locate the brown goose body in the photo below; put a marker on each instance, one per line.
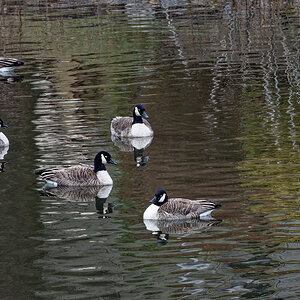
(8, 64)
(79, 175)
(180, 208)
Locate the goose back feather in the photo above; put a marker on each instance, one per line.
(180, 208)
(79, 175)
(8, 64)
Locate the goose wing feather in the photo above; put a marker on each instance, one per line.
(79, 175)
(185, 208)
(10, 62)
(121, 126)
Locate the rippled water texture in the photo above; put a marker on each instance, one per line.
(220, 82)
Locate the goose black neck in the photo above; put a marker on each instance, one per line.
(137, 119)
(99, 168)
(98, 165)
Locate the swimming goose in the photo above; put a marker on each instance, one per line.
(79, 175)
(163, 208)
(3, 139)
(9, 64)
(132, 127)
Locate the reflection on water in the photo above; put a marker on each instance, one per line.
(78, 193)
(221, 82)
(10, 77)
(83, 194)
(161, 228)
(137, 145)
(3, 151)
(2, 165)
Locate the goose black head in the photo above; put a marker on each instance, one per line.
(140, 111)
(101, 159)
(19, 62)
(2, 124)
(160, 198)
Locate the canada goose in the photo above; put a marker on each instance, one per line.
(3, 139)
(163, 208)
(79, 175)
(132, 127)
(9, 64)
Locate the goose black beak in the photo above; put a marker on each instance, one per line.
(112, 162)
(145, 115)
(153, 200)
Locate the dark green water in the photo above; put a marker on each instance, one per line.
(220, 81)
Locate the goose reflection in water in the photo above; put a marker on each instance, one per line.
(2, 164)
(162, 228)
(10, 77)
(3, 151)
(84, 194)
(136, 145)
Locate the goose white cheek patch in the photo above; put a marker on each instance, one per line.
(137, 113)
(103, 159)
(162, 199)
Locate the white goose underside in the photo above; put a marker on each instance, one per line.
(3, 140)
(140, 130)
(151, 213)
(6, 69)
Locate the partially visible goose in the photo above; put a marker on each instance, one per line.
(132, 127)
(3, 139)
(9, 64)
(79, 175)
(163, 208)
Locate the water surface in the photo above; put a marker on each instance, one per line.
(220, 82)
